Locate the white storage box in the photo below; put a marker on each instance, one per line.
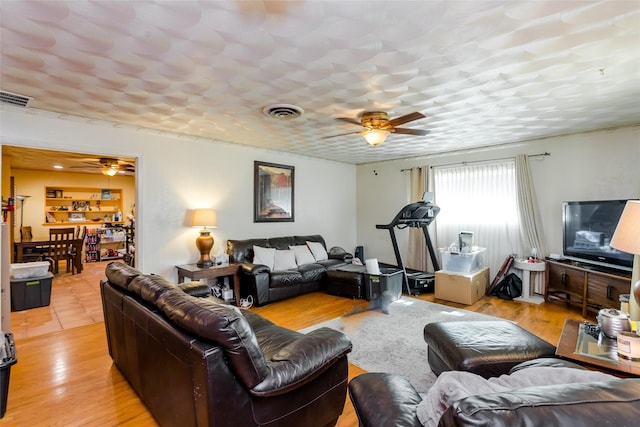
(458, 262)
(26, 270)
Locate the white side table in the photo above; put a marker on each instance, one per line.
(527, 292)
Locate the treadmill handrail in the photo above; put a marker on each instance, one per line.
(428, 212)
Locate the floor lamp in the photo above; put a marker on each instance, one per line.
(21, 198)
(626, 238)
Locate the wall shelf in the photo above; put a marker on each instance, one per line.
(71, 206)
(107, 243)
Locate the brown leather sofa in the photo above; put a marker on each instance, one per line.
(386, 400)
(266, 285)
(196, 362)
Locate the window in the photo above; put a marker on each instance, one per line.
(480, 198)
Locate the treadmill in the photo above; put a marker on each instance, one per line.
(419, 214)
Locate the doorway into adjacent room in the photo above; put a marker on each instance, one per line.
(29, 174)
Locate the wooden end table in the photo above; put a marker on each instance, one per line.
(578, 346)
(193, 272)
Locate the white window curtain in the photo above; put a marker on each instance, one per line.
(529, 216)
(481, 198)
(531, 230)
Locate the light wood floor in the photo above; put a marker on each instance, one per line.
(65, 377)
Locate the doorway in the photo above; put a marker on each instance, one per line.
(29, 172)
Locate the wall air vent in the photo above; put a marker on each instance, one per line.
(15, 99)
(282, 111)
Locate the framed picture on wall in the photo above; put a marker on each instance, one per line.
(77, 217)
(273, 187)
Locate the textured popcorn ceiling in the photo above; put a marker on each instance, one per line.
(483, 72)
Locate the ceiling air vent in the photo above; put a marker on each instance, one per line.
(15, 99)
(282, 111)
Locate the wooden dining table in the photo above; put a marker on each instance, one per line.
(26, 250)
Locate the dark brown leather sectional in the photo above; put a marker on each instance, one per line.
(196, 362)
(265, 285)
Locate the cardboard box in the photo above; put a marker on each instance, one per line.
(461, 288)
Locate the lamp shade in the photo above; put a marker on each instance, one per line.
(626, 238)
(205, 218)
(375, 136)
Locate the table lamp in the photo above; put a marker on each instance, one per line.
(627, 238)
(205, 218)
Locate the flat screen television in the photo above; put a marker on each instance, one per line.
(588, 227)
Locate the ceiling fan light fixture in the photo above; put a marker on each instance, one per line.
(110, 171)
(375, 137)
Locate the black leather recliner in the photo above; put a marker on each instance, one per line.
(195, 362)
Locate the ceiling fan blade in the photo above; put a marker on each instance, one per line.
(406, 118)
(348, 120)
(340, 134)
(405, 131)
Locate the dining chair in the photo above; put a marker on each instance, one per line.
(74, 257)
(60, 246)
(25, 233)
(29, 253)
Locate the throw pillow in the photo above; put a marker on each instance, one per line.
(303, 255)
(318, 251)
(285, 260)
(264, 256)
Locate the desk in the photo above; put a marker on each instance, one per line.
(39, 247)
(193, 272)
(594, 352)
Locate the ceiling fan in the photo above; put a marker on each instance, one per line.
(378, 126)
(109, 166)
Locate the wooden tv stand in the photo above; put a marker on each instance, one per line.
(585, 286)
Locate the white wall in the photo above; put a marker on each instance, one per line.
(595, 165)
(180, 173)
(589, 166)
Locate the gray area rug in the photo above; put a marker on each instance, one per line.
(391, 340)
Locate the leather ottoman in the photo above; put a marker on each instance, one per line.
(345, 283)
(487, 348)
